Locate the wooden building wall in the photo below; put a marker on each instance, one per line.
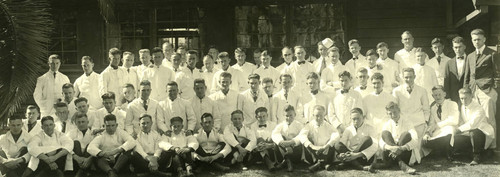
(372, 22)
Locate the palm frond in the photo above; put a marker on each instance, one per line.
(25, 27)
(107, 10)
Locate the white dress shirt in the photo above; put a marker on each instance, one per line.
(398, 128)
(159, 76)
(319, 135)
(285, 131)
(70, 125)
(248, 105)
(375, 112)
(279, 102)
(245, 69)
(209, 142)
(299, 74)
(309, 101)
(320, 64)
(415, 106)
(354, 64)
(178, 141)
(227, 104)
(438, 67)
(77, 135)
(263, 132)
(448, 122)
(461, 65)
(351, 139)
(269, 72)
(101, 113)
(426, 78)
(474, 117)
(107, 142)
(238, 80)
(11, 147)
(231, 132)
(281, 68)
(136, 108)
(364, 92)
(147, 144)
(339, 113)
(131, 76)
(208, 77)
(330, 80)
(140, 70)
(185, 79)
(405, 58)
(178, 107)
(112, 80)
(43, 143)
(389, 63)
(205, 105)
(88, 87)
(47, 90)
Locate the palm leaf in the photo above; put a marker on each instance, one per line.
(25, 27)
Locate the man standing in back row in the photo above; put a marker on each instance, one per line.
(49, 86)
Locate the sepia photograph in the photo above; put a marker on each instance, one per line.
(257, 88)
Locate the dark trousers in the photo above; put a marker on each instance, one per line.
(440, 144)
(475, 141)
(364, 143)
(202, 153)
(181, 160)
(45, 168)
(243, 142)
(141, 165)
(77, 149)
(9, 172)
(120, 161)
(403, 139)
(295, 156)
(311, 156)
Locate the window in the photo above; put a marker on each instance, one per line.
(179, 26)
(135, 30)
(64, 38)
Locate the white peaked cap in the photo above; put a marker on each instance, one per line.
(327, 42)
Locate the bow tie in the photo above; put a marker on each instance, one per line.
(265, 126)
(354, 58)
(344, 91)
(301, 62)
(362, 87)
(314, 92)
(114, 67)
(460, 58)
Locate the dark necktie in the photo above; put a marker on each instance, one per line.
(145, 105)
(439, 59)
(254, 96)
(30, 126)
(314, 92)
(344, 91)
(439, 111)
(55, 75)
(409, 89)
(265, 126)
(128, 70)
(63, 127)
(286, 95)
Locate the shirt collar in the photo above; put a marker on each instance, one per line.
(481, 50)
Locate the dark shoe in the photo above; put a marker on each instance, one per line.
(80, 173)
(161, 174)
(220, 167)
(407, 169)
(281, 164)
(356, 165)
(475, 160)
(370, 169)
(329, 167)
(314, 167)
(341, 166)
(189, 170)
(270, 164)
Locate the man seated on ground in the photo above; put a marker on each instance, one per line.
(81, 136)
(213, 148)
(147, 157)
(357, 145)
(180, 145)
(442, 124)
(399, 139)
(112, 149)
(318, 138)
(32, 124)
(13, 149)
(474, 131)
(265, 146)
(48, 151)
(285, 135)
(241, 138)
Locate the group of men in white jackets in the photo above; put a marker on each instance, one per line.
(167, 116)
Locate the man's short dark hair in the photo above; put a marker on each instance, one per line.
(289, 107)
(81, 99)
(68, 85)
(156, 49)
(382, 44)
(267, 80)
(236, 112)
(145, 83)
(199, 81)
(129, 85)
(46, 118)
(33, 107)
(109, 117)
(172, 83)
(345, 74)
(225, 75)
(108, 95)
(253, 76)
(114, 51)
(436, 41)
(371, 52)
(260, 109)
(205, 115)
(145, 115)
(80, 115)
(60, 104)
(176, 119)
(477, 32)
(378, 76)
(357, 110)
(312, 75)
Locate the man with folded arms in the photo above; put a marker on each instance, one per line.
(13, 149)
(81, 136)
(112, 148)
(285, 135)
(241, 138)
